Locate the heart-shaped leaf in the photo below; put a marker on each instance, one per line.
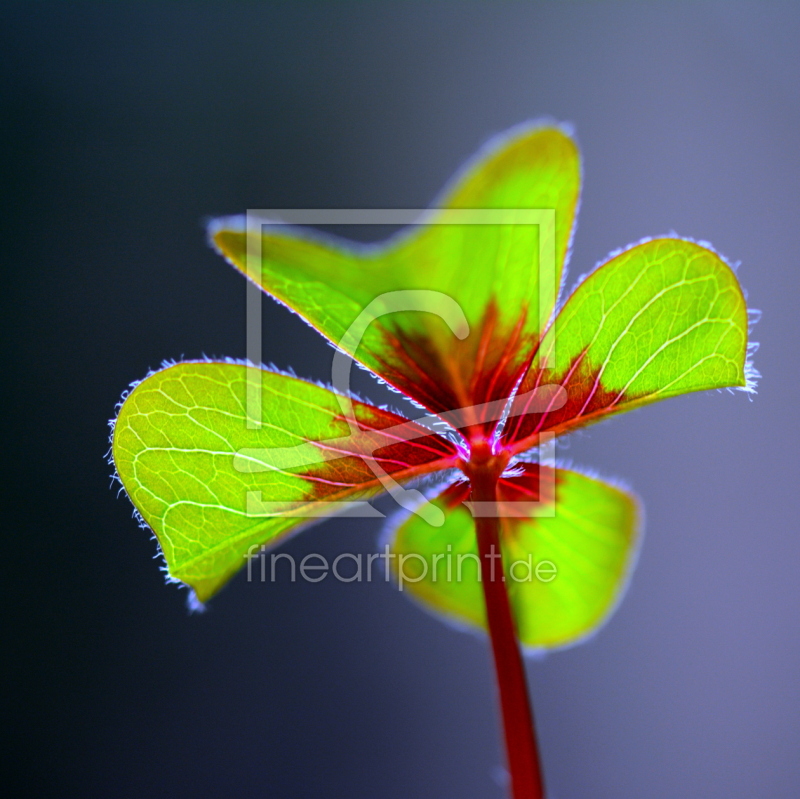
(490, 286)
(567, 552)
(212, 483)
(663, 318)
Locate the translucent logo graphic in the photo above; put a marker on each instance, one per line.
(544, 398)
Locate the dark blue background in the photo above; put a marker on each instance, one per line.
(123, 127)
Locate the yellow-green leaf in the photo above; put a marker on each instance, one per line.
(567, 556)
(662, 318)
(212, 483)
(483, 292)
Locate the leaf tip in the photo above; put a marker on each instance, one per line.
(193, 603)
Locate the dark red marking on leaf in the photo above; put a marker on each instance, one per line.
(536, 483)
(477, 373)
(512, 343)
(398, 457)
(406, 453)
(587, 400)
(528, 486)
(529, 482)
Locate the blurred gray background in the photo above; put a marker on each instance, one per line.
(123, 127)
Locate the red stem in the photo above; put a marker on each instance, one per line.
(518, 724)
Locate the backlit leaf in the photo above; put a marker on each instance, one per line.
(665, 317)
(494, 294)
(211, 488)
(583, 554)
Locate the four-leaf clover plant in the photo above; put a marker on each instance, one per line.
(220, 458)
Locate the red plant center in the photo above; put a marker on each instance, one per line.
(484, 462)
